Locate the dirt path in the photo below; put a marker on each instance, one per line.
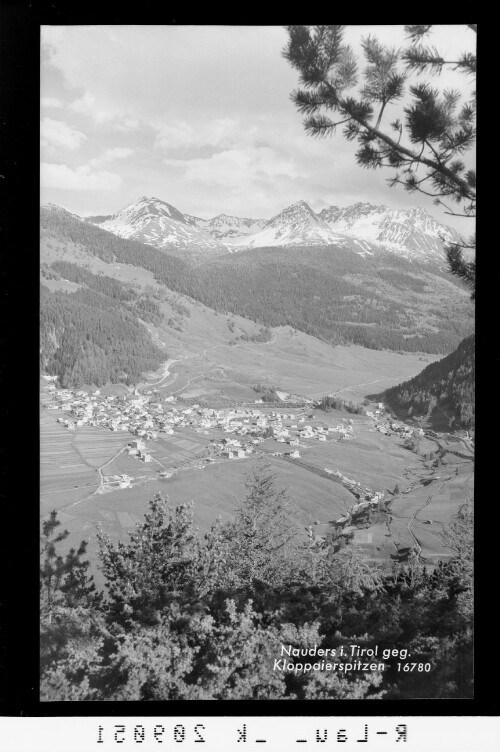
(365, 383)
(166, 366)
(101, 483)
(165, 373)
(417, 543)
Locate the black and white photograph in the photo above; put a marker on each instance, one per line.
(257, 362)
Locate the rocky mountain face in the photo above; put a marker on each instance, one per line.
(380, 301)
(410, 232)
(295, 225)
(225, 227)
(363, 228)
(152, 221)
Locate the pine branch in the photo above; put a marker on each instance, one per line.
(462, 184)
(417, 31)
(464, 270)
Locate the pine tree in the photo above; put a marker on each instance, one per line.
(425, 151)
(266, 541)
(155, 567)
(63, 579)
(69, 603)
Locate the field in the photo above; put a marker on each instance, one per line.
(64, 475)
(215, 491)
(209, 358)
(207, 361)
(293, 361)
(70, 461)
(377, 461)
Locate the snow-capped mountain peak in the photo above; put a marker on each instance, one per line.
(155, 222)
(148, 207)
(297, 224)
(410, 232)
(225, 227)
(362, 227)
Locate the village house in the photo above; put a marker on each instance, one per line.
(137, 444)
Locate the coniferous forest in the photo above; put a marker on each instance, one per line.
(88, 337)
(447, 385)
(187, 618)
(332, 294)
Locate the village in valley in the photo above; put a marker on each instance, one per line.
(165, 438)
(147, 417)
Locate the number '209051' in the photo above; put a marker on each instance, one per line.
(138, 734)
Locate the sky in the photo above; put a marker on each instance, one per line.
(201, 117)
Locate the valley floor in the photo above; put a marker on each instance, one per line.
(208, 367)
(90, 478)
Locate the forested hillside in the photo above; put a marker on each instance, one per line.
(89, 337)
(331, 293)
(341, 297)
(446, 386)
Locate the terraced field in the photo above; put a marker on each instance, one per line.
(64, 475)
(70, 461)
(98, 445)
(377, 461)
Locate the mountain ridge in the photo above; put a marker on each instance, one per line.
(155, 222)
(380, 302)
(364, 228)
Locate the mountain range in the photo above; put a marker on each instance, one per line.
(93, 309)
(335, 293)
(363, 228)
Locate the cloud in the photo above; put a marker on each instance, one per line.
(104, 114)
(210, 99)
(220, 133)
(58, 134)
(51, 102)
(79, 179)
(237, 167)
(110, 155)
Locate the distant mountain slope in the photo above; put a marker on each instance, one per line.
(295, 225)
(444, 388)
(150, 220)
(380, 302)
(59, 227)
(411, 233)
(341, 297)
(225, 227)
(363, 228)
